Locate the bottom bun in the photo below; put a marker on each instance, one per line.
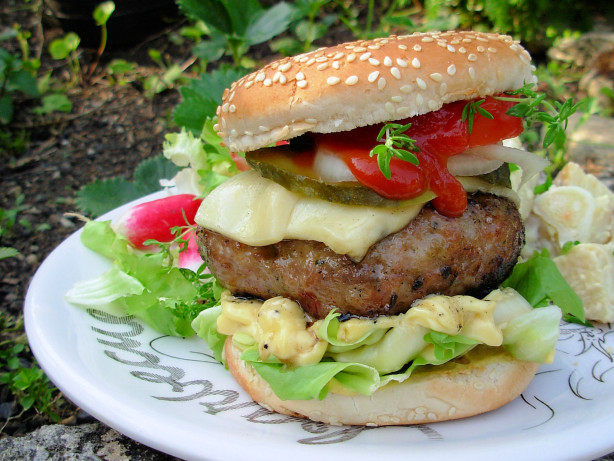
(482, 380)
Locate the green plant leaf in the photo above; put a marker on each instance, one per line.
(8, 252)
(201, 98)
(60, 48)
(98, 197)
(54, 103)
(268, 24)
(6, 108)
(242, 13)
(24, 81)
(212, 12)
(103, 12)
(149, 172)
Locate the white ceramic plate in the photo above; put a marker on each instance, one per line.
(170, 394)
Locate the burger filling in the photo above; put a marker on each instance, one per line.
(360, 277)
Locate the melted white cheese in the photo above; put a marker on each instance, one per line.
(257, 211)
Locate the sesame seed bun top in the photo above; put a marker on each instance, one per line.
(366, 82)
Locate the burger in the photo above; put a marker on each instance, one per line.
(362, 253)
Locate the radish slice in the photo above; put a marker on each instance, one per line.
(190, 258)
(530, 164)
(155, 219)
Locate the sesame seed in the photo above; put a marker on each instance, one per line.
(360, 49)
(419, 99)
(223, 123)
(436, 76)
(471, 71)
(481, 49)
(264, 128)
(335, 64)
(387, 61)
(322, 59)
(225, 107)
(451, 49)
(284, 67)
(352, 80)
(301, 83)
(396, 98)
(216, 127)
(231, 97)
(402, 110)
(365, 56)
(492, 50)
(428, 39)
(381, 83)
(482, 39)
(401, 62)
(283, 79)
(322, 66)
(339, 55)
(248, 133)
(389, 107)
(333, 80)
(451, 69)
(472, 57)
(421, 83)
(260, 77)
(267, 82)
(405, 89)
(514, 47)
(351, 57)
(300, 76)
(462, 50)
(373, 76)
(304, 59)
(373, 62)
(443, 88)
(415, 63)
(402, 47)
(466, 40)
(276, 77)
(396, 73)
(374, 47)
(232, 108)
(310, 62)
(218, 111)
(442, 43)
(417, 47)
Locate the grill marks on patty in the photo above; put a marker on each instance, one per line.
(471, 255)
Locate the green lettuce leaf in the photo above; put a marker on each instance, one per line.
(205, 326)
(311, 381)
(539, 281)
(146, 285)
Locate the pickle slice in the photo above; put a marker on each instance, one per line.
(277, 164)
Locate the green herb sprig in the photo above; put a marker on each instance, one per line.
(555, 117)
(472, 108)
(396, 144)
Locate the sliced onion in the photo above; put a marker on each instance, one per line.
(530, 164)
(330, 167)
(471, 165)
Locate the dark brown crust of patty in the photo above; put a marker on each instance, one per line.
(471, 255)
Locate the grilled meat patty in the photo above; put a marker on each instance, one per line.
(471, 255)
